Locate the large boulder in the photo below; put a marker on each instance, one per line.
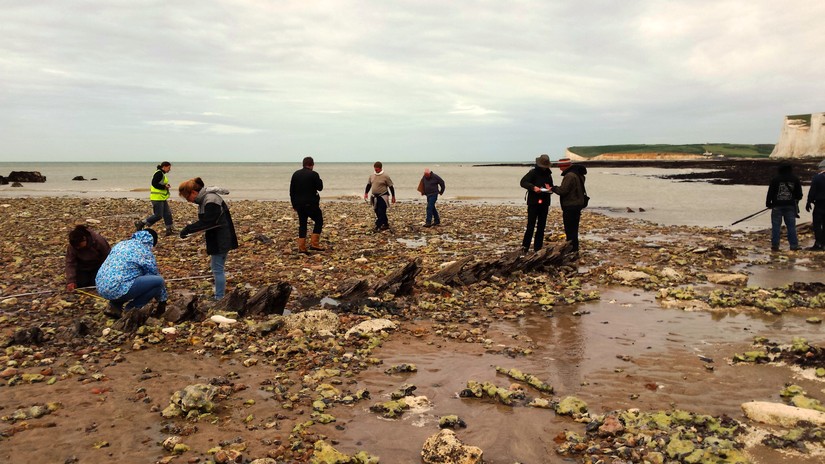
(26, 176)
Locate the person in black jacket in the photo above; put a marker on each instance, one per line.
(783, 197)
(816, 198)
(159, 195)
(303, 194)
(216, 222)
(538, 182)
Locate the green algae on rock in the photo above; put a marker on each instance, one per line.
(635, 436)
(529, 379)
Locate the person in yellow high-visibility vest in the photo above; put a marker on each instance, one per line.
(159, 194)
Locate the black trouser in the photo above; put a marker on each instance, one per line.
(304, 213)
(380, 206)
(85, 277)
(571, 217)
(536, 218)
(818, 222)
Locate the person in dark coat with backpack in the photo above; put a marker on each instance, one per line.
(783, 197)
(572, 196)
(215, 221)
(538, 182)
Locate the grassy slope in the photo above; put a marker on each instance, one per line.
(726, 149)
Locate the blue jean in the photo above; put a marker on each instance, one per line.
(143, 289)
(160, 209)
(432, 213)
(788, 214)
(217, 265)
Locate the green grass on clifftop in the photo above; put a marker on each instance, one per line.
(725, 149)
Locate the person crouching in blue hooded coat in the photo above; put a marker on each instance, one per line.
(129, 277)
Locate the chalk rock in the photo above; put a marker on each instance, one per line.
(217, 318)
(371, 326)
(781, 414)
(728, 279)
(93, 221)
(628, 277)
(670, 273)
(446, 447)
(312, 321)
(801, 137)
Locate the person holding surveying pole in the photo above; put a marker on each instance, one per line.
(783, 197)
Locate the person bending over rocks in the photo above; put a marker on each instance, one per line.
(129, 277)
(85, 254)
(215, 221)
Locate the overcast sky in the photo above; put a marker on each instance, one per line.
(426, 80)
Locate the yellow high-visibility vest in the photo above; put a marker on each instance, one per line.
(157, 194)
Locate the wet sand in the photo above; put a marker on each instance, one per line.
(625, 349)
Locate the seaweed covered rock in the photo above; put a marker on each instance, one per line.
(445, 447)
(191, 401)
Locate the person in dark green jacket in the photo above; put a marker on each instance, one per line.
(572, 198)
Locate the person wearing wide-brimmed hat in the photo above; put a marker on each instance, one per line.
(572, 196)
(816, 197)
(538, 182)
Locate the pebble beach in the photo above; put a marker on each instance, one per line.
(649, 324)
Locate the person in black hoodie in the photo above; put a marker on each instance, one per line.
(572, 198)
(538, 182)
(303, 194)
(784, 193)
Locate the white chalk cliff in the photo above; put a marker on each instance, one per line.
(801, 137)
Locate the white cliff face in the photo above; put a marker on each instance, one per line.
(798, 139)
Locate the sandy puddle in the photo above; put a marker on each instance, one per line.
(578, 355)
(622, 351)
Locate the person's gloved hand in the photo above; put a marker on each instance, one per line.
(71, 286)
(184, 232)
(808, 206)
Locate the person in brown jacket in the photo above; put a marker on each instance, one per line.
(572, 198)
(85, 254)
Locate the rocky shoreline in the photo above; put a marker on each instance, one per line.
(723, 171)
(333, 382)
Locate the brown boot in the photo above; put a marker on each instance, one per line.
(302, 246)
(314, 243)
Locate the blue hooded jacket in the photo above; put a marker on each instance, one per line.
(127, 261)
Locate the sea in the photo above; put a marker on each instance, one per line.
(639, 193)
